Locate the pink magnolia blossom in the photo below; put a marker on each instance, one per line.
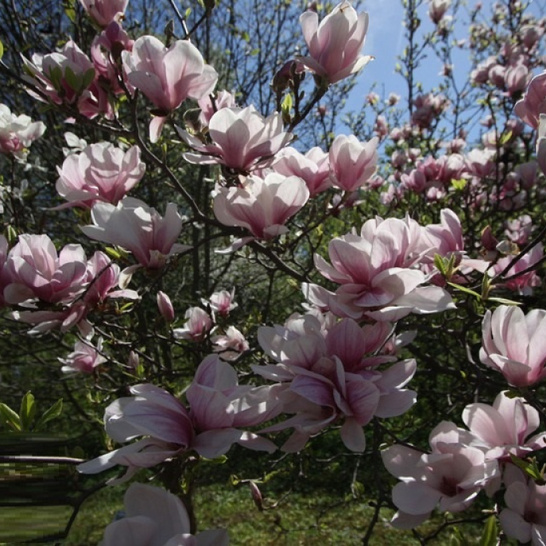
(139, 229)
(105, 52)
(533, 103)
(168, 76)
(218, 406)
(36, 271)
(524, 518)
(514, 344)
(230, 345)
(241, 139)
(377, 274)
(523, 283)
(155, 517)
(313, 167)
(330, 376)
(17, 132)
(352, 163)
(437, 9)
(222, 99)
(101, 172)
(84, 359)
(260, 205)
(68, 77)
(165, 306)
(103, 12)
(428, 108)
(197, 326)
(222, 302)
(335, 44)
(449, 479)
(502, 429)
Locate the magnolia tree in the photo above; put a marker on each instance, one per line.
(211, 280)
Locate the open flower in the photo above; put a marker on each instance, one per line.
(155, 517)
(103, 12)
(514, 344)
(168, 76)
(101, 172)
(260, 205)
(241, 138)
(335, 44)
(17, 132)
(139, 229)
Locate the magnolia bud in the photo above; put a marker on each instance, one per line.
(165, 306)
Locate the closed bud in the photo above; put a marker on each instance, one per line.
(165, 306)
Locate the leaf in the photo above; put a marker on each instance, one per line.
(51, 413)
(27, 411)
(505, 301)
(489, 535)
(530, 468)
(505, 138)
(464, 289)
(459, 184)
(1, 49)
(9, 417)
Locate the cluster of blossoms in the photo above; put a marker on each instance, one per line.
(217, 407)
(17, 132)
(464, 462)
(336, 365)
(34, 275)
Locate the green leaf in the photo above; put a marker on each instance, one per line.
(530, 468)
(489, 535)
(504, 301)
(75, 82)
(27, 411)
(459, 184)
(9, 417)
(464, 289)
(88, 78)
(505, 138)
(52, 413)
(1, 49)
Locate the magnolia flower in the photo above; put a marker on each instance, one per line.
(230, 345)
(155, 517)
(101, 172)
(222, 302)
(533, 103)
(105, 51)
(84, 359)
(330, 376)
(313, 167)
(376, 271)
(524, 519)
(352, 163)
(260, 205)
(514, 344)
(165, 306)
(168, 76)
(437, 9)
(34, 270)
(103, 12)
(218, 406)
(502, 429)
(197, 326)
(241, 138)
(450, 479)
(139, 229)
(335, 44)
(68, 77)
(17, 132)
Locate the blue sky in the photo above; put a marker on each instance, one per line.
(385, 41)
